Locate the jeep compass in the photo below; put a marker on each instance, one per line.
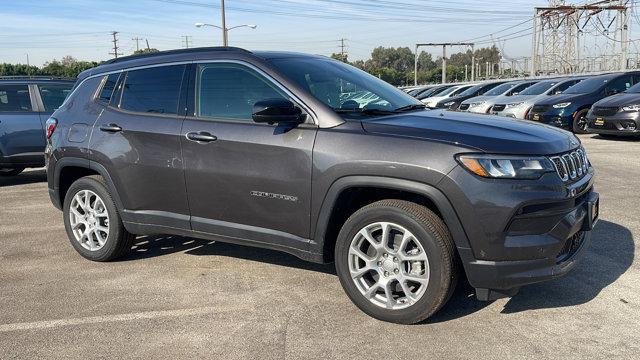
(266, 149)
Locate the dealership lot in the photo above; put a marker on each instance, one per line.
(177, 297)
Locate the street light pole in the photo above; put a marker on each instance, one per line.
(225, 30)
(225, 38)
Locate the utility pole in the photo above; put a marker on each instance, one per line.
(466, 72)
(148, 48)
(28, 60)
(137, 40)
(444, 58)
(115, 52)
(225, 39)
(185, 41)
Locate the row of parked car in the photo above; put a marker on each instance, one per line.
(607, 104)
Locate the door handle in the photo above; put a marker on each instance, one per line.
(202, 136)
(111, 128)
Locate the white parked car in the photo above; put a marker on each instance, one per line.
(432, 101)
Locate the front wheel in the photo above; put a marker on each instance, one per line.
(396, 261)
(11, 171)
(92, 221)
(580, 122)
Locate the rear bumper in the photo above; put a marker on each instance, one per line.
(496, 279)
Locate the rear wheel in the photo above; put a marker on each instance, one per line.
(92, 221)
(11, 171)
(396, 261)
(580, 122)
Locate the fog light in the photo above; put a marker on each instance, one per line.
(630, 126)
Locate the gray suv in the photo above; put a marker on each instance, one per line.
(263, 149)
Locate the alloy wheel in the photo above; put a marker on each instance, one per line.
(388, 265)
(89, 220)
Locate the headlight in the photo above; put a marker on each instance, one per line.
(635, 107)
(506, 166)
(512, 105)
(561, 105)
(473, 104)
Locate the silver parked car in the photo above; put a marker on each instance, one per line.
(482, 104)
(518, 106)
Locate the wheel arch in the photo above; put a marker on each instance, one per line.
(70, 169)
(333, 213)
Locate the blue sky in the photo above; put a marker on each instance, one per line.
(47, 29)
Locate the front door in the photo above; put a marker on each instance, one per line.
(245, 180)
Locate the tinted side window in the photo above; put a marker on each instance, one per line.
(153, 90)
(228, 91)
(564, 86)
(619, 85)
(519, 88)
(108, 87)
(53, 95)
(15, 98)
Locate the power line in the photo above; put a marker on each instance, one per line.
(186, 39)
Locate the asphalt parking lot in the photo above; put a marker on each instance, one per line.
(178, 297)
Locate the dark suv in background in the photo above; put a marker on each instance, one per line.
(264, 149)
(25, 106)
(569, 109)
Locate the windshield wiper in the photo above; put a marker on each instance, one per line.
(411, 107)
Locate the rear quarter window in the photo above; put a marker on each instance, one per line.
(15, 98)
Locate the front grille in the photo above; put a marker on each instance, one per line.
(498, 107)
(540, 108)
(464, 107)
(571, 166)
(605, 111)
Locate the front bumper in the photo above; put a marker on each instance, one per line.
(622, 123)
(562, 118)
(521, 232)
(516, 113)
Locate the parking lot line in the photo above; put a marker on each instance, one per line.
(39, 325)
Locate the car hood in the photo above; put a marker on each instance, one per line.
(491, 134)
(503, 100)
(561, 98)
(478, 98)
(622, 99)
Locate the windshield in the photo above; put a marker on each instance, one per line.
(342, 86)
(500, 89)
(539, 88)
(587, 86)
(446, 91)
(635, 89)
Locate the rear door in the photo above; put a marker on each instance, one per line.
(137, 139)
(250, 180)
(21, 132)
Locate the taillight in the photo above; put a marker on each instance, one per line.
(526, 113)
(51, 126)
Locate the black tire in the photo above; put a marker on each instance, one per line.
(11, 171)
(119, 241)
(580, 122)
(434, 237)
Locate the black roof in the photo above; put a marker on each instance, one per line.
(174, 52)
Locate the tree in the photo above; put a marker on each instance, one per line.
(399, 59)
(145, 51)
(341, 57)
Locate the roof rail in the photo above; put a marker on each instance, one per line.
(172, 52)
(34, 77)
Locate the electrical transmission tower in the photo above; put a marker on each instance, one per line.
(115, 52)
(574, 38)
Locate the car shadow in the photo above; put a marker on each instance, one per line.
(27, 177)
(152, 246)
(610, 254)
(617, 138)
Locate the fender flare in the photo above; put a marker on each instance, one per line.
(87, 164)
(449, 215)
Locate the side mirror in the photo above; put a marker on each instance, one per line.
(277, 111)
